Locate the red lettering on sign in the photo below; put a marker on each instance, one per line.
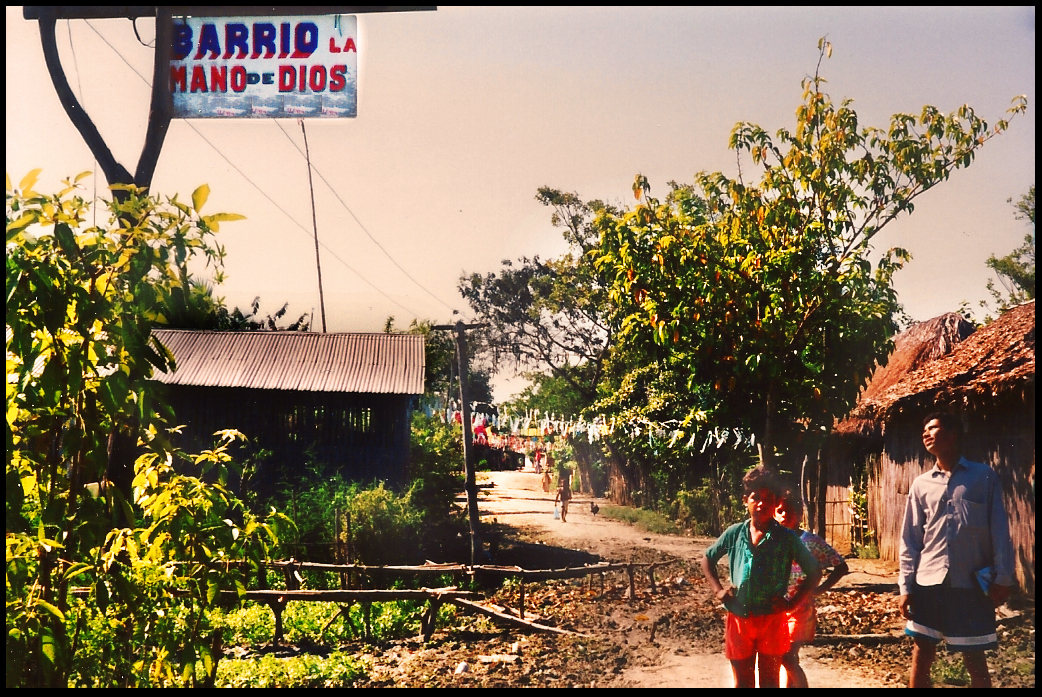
(198, 79)
(349, 45)
(178, 79)
(219, 78)
(333, 48)
(239, 78)
(303, 78)
(286, 78)
(337, 82)
(318, 78)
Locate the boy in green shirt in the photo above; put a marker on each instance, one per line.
(760, 552)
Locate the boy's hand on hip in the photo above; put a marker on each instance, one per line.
(725, 594)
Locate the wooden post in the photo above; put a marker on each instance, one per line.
(429, 619)
(468, 456)
(277, 606)
(367, 609)
(651, 578)
(633, 590)
(521, 601)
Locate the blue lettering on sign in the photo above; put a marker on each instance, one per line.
(235, 38)
(182, 41)
(305, 40)
(208, 41)
(302, 38)
(263, 38)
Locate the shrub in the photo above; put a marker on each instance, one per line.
(334, 670)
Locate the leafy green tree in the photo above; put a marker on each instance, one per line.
(79, 354)
(192, 305)
(761, 289)
(1016, 270)
(549, 316)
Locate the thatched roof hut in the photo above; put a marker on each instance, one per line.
(859, 437)
(995, 363)
(988, 380)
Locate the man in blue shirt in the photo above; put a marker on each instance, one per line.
(955, 538)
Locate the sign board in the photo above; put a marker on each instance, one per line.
(265, 67)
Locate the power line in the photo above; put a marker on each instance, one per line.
(364, 229)
(255, 186)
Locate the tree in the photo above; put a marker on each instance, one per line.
(549, 316)
(553, 318)
(763, 292)
(191, 304)
(1016, 270)
(79, 354)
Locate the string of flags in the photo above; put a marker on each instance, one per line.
(507, 429)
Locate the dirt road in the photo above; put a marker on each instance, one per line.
(517, 500)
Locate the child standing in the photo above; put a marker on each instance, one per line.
(564, 494)
(803, 619)
(760, 553)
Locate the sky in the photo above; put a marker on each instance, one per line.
(463, 113)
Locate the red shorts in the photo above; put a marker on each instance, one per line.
(802, 622)
(745, 637)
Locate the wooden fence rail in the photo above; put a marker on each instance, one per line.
(435, 597)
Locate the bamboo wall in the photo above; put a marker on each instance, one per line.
(1004, 439)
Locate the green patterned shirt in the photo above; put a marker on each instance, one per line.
(760, 573)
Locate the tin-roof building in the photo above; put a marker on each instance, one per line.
(338, 399)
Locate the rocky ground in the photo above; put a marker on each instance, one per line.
(672, 637)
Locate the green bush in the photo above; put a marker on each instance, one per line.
(334, 670)
(386, 527)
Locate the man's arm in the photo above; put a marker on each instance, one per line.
(1001, 545)
(912, 532)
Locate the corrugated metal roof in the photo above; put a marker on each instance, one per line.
(306, 361)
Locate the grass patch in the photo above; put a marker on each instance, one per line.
(335, 670)
(949, 670)
(649, 521)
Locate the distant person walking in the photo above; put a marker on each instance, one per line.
(546, 481)
(803, 619)
(956, 556)
(564, 494)
(760, 553)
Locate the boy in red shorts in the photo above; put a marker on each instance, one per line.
(803, 619)
(760, 553)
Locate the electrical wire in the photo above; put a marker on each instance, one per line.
(262, 192)
(355, 217)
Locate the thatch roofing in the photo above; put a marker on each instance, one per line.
(916, 346)
(996, 360)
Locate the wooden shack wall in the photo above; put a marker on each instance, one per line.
(1003, 437)
(365, 436)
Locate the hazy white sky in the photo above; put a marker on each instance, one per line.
(464, 112)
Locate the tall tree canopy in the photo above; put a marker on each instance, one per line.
(761, 287)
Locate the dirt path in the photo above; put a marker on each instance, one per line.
(517, 500)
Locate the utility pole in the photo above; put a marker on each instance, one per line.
(471, 486)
